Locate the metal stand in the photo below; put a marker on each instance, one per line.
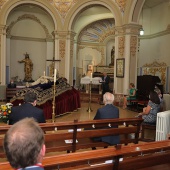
(53, 103)
(89, 107)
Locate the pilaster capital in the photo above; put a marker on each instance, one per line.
(128, 29)
(3, 29)
(64, 34)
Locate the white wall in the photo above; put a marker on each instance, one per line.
(155, 49)
(43, 17)
(37, 53)
(155, 19)
(29, 35)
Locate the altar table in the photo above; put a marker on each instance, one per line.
(95, 81)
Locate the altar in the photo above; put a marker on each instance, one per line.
(94, 81)
(67, 99)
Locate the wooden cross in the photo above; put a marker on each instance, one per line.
(53, 60)
(52, 65)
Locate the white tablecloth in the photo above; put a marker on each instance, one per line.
(95, 81)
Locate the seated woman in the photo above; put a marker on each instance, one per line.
(149, 113)
(131, 96)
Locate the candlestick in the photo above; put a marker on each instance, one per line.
(89, 107)
(53, 103)
(44, 73)
(90, 76)
(55, 72)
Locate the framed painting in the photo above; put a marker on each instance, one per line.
(120, 66)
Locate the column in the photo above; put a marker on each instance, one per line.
(65, 44)
(126, 46)
(3, 54)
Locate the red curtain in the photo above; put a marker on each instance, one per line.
(65, 102)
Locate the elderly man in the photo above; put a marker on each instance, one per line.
(24, 145)
(27, 109)
(109, 111)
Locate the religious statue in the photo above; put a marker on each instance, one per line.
(112, 56)
(28, 67)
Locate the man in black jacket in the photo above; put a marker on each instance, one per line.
(27, 109)
(105, 83)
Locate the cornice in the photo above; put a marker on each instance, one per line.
(159, 34)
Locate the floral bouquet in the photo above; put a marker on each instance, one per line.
(5, 110)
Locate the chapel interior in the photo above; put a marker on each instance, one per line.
(76, 38)
(79, 34)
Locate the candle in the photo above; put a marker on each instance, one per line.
(44, 73)
(55, 71)
(91, 77)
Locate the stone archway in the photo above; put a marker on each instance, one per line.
(7, 7)
(74, 14)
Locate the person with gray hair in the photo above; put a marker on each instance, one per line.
(109, 111)
(108, 98)
(24, 145)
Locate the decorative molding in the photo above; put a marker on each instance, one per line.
(101, 50)
(155, 64)
(62, 46)
(71, 49)
(31, 17)
(133, 45)
(3, 29)
(153, 68)
(2, 2)
(121, 4)
(155, 35)
(30, 39)
(98, 31)
(107, 34)
(81, 47)
(121, 46)
(71, 37)
(63, 6)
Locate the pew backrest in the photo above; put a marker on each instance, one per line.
(71, 136)
(124, 158)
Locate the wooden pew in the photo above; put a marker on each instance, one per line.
(56, 141)
(134, 157)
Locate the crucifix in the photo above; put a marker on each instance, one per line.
(52, 66)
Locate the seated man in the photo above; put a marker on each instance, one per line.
(109, 111)
(24, 145)
(12, 84)
(27, 109)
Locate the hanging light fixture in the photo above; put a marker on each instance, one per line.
(142, 30)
